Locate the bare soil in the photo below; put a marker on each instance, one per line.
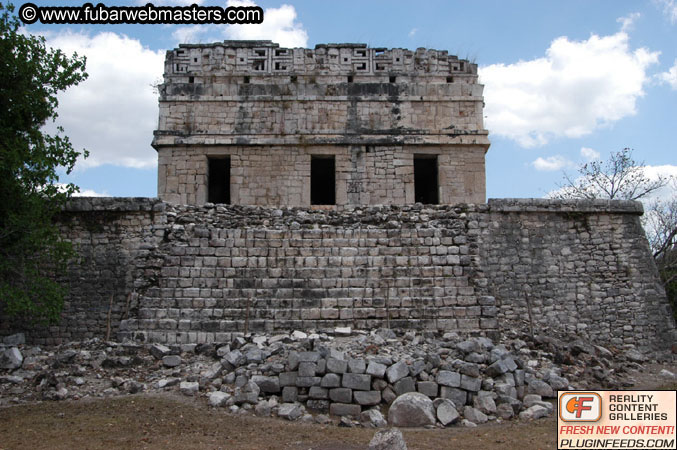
(172, 422)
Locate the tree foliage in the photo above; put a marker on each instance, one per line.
(31, 250)
(620, 178)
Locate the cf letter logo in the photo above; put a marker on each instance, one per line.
(580, 407)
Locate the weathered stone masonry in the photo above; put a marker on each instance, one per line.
(247, 120)
(270, 110)
(188, 274)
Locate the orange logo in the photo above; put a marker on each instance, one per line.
(580, 407)
(577, 404)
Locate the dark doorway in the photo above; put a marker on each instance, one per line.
(219, 180)
(426, 189)
(322, 180)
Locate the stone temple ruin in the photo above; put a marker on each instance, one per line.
(250, 123)
(324, 191)
(344, 186)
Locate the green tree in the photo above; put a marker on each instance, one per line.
(32, 253)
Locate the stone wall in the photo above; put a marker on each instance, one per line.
(241, 268)
(189, 274)
(270, 109)
(280, 175)
(582, 267)
(111, 236)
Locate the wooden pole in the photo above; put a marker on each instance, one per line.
(110, 311)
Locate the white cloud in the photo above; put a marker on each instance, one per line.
(89, 193)
(191, 34)
(670, 77)
(652, 173)
(114, 112)
(279, 25)
(628, 21)
(590, 154)
(413, 32)
(551, 163)
(83, 192)
(666, 192)
(669, 9)
(575, 88)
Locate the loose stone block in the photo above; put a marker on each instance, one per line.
(290, 411)
(469, 369)
(416, 368)
(429, 388)
(11, 358)
(343, 409)
(309, 357)
(485, 404)
(448, 378)
(360, 382)
(171, 360)
(497, 368)
(341, 395)
(218, 398)
(317, 392)
(456, 395)
(510, 363)
(374, 418)
(388, 395)
(290, 394)
(293, 360)
(288, 378)
(269, 385)
(367, 398)
(189, 387)
(356, 365)
(307, 369)
(235, 358)
(321, 367)
(248, 393)
(18, 339)
(397, 371)
(337, 365)
(540, 387)
(534, 412)
(471, 383)
(404, 385)
(308, 381)
(505, 389)
(390, 439)
(504, 411)
(446, 412)
(159, 351)
(318, 405)
(474, 415)
(412, 409)
(378, 384)
(331, 380)
(376, 369)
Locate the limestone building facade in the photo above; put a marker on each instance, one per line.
(251, 123)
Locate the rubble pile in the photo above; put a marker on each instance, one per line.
(375, 378)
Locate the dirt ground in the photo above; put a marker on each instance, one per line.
(170, 422)
(175, 422)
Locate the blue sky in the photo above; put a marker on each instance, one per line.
(565, 81)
